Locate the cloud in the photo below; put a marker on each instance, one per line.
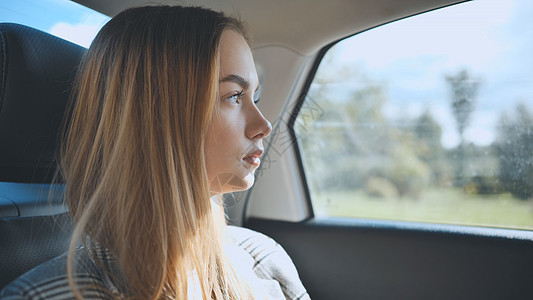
(81, 34)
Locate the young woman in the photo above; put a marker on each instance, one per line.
(164, 121)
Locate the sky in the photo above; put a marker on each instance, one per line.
(62, 18)
(492, 39)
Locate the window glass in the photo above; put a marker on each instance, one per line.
(427, 119)
(62, 18)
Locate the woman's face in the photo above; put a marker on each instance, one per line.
(234, 139)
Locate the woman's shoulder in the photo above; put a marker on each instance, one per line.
(50, 280)
(270, 260)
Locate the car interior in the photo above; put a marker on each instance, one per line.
(337, 258)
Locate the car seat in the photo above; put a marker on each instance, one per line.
(36, 73)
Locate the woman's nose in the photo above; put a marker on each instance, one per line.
(258, 126)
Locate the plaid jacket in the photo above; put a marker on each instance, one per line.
(271, 268)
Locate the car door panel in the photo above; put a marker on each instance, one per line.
(370, 259)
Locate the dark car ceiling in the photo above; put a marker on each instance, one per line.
(303, 26)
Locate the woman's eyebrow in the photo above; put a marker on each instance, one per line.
(237, 79)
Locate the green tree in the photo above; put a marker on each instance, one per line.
(429, 148)
(429, 133)
(515, 152)
(353, 144)
(463, 91)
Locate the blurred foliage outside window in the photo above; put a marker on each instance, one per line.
(427, 119)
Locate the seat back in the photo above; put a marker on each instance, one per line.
(36, 73)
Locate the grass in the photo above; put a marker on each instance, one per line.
(449, 206)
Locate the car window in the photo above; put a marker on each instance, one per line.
(63, 18)
(427, 119)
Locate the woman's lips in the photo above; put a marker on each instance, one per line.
(253, 157)
(253, 160)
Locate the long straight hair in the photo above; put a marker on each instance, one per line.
(133, 153)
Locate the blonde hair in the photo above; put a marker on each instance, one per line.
(133, 158)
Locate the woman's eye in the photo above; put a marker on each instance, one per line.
(235, 97)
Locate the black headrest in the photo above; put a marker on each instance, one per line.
(37, 70)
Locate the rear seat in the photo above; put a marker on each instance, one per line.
(37, 70)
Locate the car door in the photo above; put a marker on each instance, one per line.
(401, 170)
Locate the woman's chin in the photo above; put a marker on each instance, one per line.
(229, 183)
